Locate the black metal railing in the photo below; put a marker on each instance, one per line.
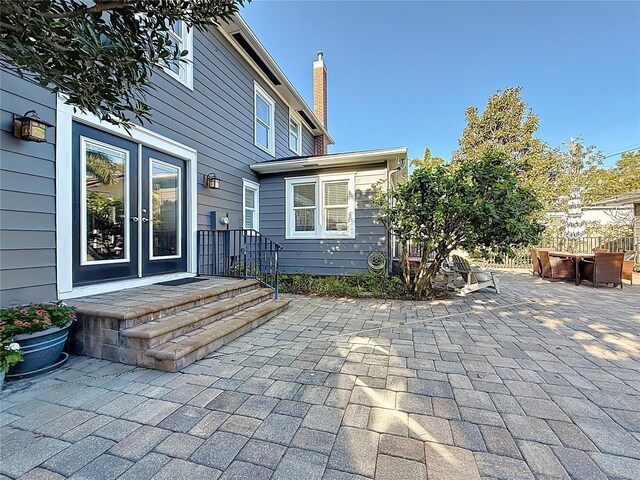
(243, 253)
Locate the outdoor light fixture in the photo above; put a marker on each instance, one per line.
(30, 127)
(210, 181)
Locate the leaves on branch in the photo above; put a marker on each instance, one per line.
(101, 54)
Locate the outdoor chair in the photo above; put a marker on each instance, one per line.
(627, 265)
(600, 250)
(603, 268)
(555, 268)
(535, 262)
(472, 278)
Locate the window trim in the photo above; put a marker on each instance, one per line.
(256, 211)
(320, 232)
(187, 44)
(258, 91)
(297, 120)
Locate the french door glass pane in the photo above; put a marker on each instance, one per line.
(165, 215)
(105, 184)
(305, 220)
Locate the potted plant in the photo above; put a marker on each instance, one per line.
(40, 330)
(10, 354)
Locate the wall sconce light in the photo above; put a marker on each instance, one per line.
(30, 127)
(210, 181)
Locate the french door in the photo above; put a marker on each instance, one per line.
(129, 209)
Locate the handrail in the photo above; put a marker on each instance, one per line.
(241, 252)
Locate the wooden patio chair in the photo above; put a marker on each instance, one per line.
(556, 268)
(473, 277)
(627, 265)
(535, 261)
(600, 250)
(603, 268)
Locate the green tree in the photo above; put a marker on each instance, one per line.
(100, 54)
(470, 205)
(505, 126)
(628, 171)
(427, 160)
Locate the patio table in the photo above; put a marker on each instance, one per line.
(576, 257)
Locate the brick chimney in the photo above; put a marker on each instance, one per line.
(320, 101)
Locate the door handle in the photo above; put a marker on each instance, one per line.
(134, 219)
(144, 219)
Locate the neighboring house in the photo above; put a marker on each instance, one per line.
(630, 201)
(617, 210)
(94, 209)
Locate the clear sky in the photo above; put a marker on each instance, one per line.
(403, 73)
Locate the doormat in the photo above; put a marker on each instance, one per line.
(182, 281)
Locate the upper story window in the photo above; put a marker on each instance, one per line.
(295, 135)
(250, 204)
(182, 38)
(321, 206)
(264, 121)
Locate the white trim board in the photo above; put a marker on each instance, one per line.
(65, 116)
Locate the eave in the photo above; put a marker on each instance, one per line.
(333, 160)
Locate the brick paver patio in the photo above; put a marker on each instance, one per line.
(542, 381)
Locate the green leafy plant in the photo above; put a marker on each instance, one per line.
(34, 318)
(100, 54)
(467, 205)
(361, 285)
(10, 354)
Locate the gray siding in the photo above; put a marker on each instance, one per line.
(216, 119)
(325, 257)
(27, 198)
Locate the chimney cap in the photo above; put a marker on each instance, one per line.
(320, 54)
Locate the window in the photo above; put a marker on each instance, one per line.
(321, 206)
(264, 125)
(251, 204)
(295, 135)
(182, 38)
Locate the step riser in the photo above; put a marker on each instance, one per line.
(146, 343)
(177, 365)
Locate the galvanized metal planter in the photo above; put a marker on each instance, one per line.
(40, 350)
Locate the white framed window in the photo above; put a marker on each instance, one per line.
(250, 204)
(321, 207)
(295, 135)
(182, 38)
(264, 120)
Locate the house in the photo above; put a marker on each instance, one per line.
(630, 204)
(66, 232)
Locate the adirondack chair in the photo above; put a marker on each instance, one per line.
(473, 277)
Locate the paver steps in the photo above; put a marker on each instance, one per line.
(172, 331)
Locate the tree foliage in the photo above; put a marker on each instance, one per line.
(100, 54)
(427, 160)
(468, 205)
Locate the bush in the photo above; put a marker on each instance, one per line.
(361, 285)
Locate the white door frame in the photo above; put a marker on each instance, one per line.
(65, 116)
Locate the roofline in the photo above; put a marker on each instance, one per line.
(241, 26)
(620, 199)
(332, 160)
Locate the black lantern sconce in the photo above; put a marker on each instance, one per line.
(210, 181)
(30, 127)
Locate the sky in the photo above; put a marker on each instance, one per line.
(403, 73)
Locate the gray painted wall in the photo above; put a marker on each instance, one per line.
(325, 257)
(27, 198)
(216, 119)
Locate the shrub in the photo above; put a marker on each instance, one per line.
(361, 285)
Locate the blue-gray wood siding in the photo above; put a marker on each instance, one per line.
(27, 198)
(215, 118)
(325, 256)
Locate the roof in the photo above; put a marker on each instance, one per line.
(242, 38)
(363, 157)
(621, 199)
